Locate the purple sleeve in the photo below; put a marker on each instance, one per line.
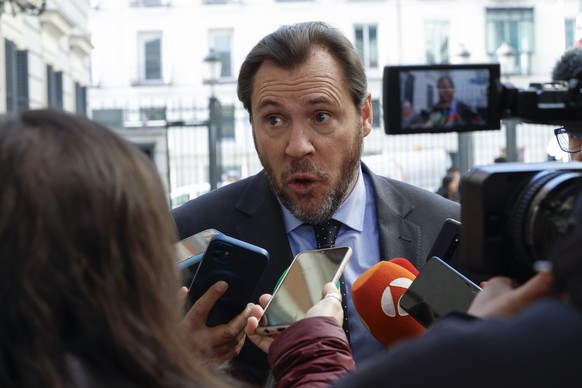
(313, 352)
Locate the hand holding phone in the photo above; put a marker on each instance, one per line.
(329, 306)
(438, 290)
(236, 262)
(301, 287)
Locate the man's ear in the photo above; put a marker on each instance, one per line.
(367, 115)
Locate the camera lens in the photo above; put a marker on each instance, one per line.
(221, 252)
(542, 214)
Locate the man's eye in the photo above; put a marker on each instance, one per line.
(275, 120)
(322, 117)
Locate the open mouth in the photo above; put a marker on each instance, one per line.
(302, 181)
(302, 184)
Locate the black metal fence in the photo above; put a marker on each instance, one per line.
(419, 159)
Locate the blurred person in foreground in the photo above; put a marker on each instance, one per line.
(89, 287)
(513, 335)
(569, 68)
(305, 89)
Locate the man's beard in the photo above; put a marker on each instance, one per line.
(333, 199)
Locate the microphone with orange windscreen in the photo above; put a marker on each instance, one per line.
(376, 295)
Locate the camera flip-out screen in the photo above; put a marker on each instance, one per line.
(441, 98)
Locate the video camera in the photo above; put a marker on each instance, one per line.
(415, 100)
(512, 214)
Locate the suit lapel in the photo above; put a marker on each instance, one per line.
(264, 227)
(399, 237)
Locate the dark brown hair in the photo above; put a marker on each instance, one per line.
(87, 267)
(289, 47)
(568, 66)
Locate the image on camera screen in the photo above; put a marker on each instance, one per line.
(440, 98)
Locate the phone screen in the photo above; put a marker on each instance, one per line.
(302, 285)
(437, 290)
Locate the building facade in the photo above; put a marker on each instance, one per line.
(148, 77)
(45, 58)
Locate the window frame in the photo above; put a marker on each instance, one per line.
(367, 49)
(144, 59)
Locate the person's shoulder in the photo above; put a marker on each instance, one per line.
(224, 195)
(386, 184)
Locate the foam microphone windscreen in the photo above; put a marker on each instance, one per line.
(376, 296)
(406, 264)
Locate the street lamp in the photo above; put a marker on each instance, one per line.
(212, 69)
(506, 57)
(30, 7)
(461, 56)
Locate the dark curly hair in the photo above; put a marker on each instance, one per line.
(569, 65)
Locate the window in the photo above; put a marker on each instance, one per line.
(54, 81)
(152, 113)
(148, 3)
(80, 99)
(221, 42)
(515, 27)
(113, 118)
(227, 122)
(366, 37)
(570, 28)
(150, 56)
(437, 42)
(16, 63)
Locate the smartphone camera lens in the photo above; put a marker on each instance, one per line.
(221, 253)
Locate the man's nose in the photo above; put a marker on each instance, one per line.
(300, 141)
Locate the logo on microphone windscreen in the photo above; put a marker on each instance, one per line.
(391, 296)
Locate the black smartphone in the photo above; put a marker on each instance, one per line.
(438, 290)
(238, 263)
(189, 252)
(446, 247)
(446, 244)
(301, 285)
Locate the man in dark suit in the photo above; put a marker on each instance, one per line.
(449, 111)
(305, 89)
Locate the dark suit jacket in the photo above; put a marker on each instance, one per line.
(409, 218)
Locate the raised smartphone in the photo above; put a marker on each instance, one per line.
(447, 248)
(438, 290)
(301, 287)
(238, 263)
(189, 252)
(446, 245)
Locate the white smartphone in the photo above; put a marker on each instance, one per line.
(301, 285)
